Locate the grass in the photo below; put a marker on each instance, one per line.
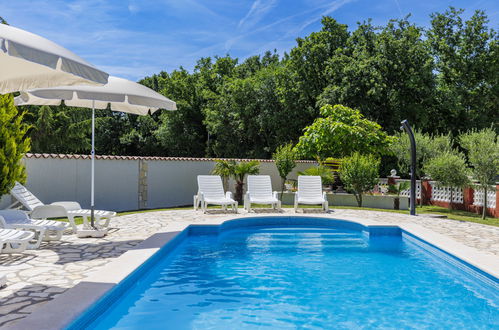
(426, 209)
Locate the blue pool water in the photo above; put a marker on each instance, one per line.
(311, 277)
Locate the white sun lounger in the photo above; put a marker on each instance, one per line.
(211, 191)
(47, 230)
(30, 202)
(260, 192)
(310, 192)
(15, 241)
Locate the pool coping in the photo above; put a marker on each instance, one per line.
(61, 311)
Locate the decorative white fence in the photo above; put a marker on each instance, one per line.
(442, 194)
(491, 197)
(382, 182)
(407, 192)
(436, 194)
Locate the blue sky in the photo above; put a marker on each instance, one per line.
(136, 38)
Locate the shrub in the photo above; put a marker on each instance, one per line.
(326, 174)
(483, 154)
(284, 158)
(449, 169)
(359, 173)
(427, 147)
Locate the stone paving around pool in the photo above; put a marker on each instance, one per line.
(38, 276)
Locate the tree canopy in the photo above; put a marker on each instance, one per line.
(14, 143)
(340, 132)
(442, 78)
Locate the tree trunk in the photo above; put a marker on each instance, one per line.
(358, 197)
(238, 196)
(451, 195)
(283, 186)
(396, 203)
(484, 210)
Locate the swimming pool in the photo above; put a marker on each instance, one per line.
(298, 273)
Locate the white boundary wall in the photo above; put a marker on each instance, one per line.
(170, 182)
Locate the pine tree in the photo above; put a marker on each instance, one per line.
(14, 143)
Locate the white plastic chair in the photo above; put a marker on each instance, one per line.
(310, 192)
(211, 191)
(260, 192)
(15, 241)
(47, 230)
(31, 202)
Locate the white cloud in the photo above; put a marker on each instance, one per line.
(258, 10)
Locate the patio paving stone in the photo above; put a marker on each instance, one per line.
(38, 276)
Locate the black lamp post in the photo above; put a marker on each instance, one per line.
(407, 128)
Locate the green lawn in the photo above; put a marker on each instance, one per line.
(427, 209)
(454, 215)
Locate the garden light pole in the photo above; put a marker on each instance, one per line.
(407, 128)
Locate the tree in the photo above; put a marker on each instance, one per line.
(239, 173)
(307, 62)
(482, 148)
(340, 132)
(359, 173)
(284, 159)
(180, 132)
(427, 147)
(466, 57)
(2, 21)
(449, 169)
(442, 79)
(385, 72)
(14, 144)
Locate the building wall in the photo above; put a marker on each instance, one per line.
(166, 182)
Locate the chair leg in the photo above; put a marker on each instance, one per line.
(72, 223)
(53, 235)
(195, 202)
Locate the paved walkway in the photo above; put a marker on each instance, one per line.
(35, 277)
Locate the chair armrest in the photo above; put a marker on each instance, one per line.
(200, 196)
(3, 224)
(70, 206)
(228, 194)
(49, 211)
